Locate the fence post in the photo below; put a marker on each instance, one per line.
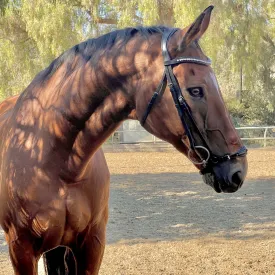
(265, 132)
(113, 140)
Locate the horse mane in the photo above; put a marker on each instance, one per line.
(103, 43)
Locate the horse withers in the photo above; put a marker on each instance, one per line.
(54, 177)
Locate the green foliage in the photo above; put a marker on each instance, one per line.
(148, 9)
(240, 41)
(57, 20)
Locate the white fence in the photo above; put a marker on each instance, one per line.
(268, 133)
(250, 135)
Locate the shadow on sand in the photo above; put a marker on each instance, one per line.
(171, 206)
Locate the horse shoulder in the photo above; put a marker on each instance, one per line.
(91, 193)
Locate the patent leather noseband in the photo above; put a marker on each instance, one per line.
(202, 149)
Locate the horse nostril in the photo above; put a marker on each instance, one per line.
(237, 178)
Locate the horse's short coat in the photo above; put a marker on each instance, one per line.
(54, 177)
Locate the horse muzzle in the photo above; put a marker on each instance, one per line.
(227, 176)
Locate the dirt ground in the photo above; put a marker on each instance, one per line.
(165, 220)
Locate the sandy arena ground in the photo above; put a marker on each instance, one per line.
(165, 220)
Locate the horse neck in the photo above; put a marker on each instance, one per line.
(103, 121)
(76, 112)
(92, 104)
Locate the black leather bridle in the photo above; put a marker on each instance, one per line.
(183, 108)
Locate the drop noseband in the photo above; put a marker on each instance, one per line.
(184, 110)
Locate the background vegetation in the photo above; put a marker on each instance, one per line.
(240, 41)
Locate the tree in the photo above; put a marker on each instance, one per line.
(240, 41)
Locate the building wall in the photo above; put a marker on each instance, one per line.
(133, 133)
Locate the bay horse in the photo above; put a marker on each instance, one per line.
(54, 177)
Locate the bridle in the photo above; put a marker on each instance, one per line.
(184, 110)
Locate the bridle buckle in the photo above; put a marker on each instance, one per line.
(181, 100)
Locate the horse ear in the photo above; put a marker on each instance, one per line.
(197, 29)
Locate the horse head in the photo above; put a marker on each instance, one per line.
(186, 108)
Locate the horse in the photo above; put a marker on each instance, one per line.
(54, 180)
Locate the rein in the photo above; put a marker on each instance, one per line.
(183, 109)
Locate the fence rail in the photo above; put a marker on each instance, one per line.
(268, 133)
(248, 134)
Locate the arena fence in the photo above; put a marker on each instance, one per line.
(259, 135)
(137, 137)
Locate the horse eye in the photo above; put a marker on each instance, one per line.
(195, 92)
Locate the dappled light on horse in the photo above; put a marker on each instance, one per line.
(54, 177)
